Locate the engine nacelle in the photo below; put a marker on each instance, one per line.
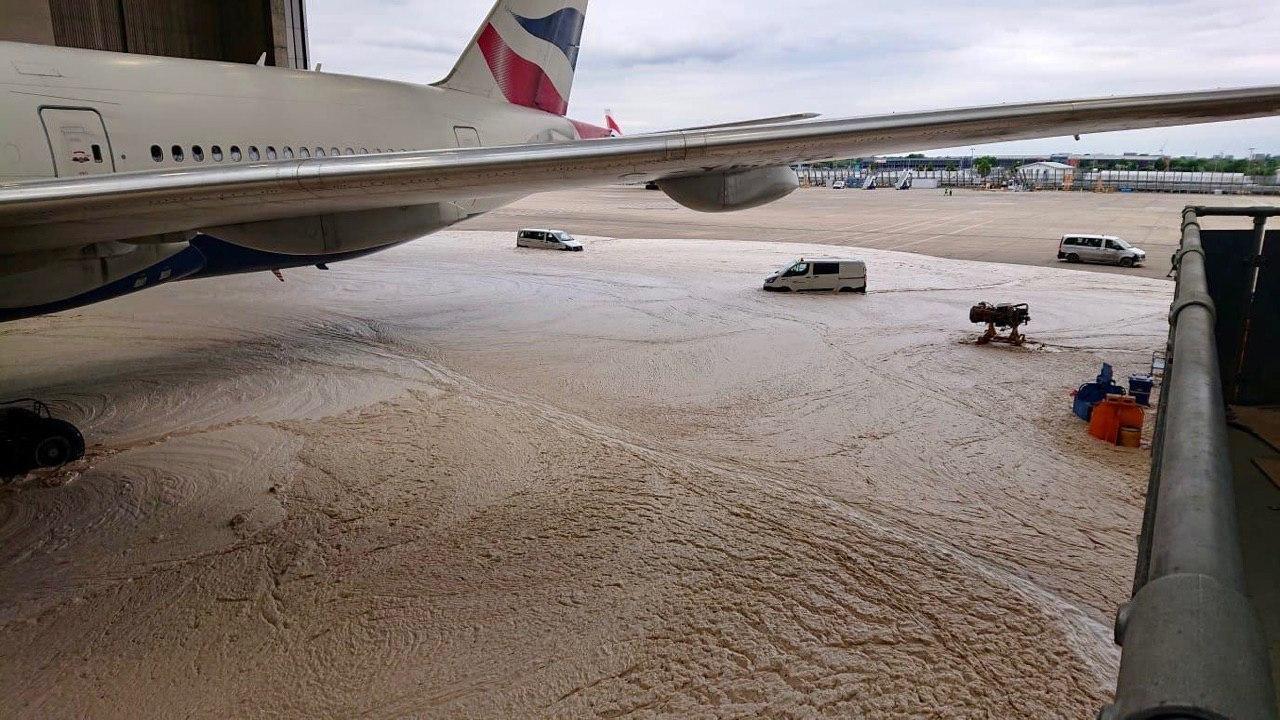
(725, 191)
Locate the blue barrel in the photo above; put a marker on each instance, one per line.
(1140, 388)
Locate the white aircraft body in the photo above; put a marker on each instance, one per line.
(121, 172)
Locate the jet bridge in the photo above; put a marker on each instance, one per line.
(1201, 636)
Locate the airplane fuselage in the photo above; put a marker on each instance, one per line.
(70, 112)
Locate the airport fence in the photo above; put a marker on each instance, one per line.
(1161, 181)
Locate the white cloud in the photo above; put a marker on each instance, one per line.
(671, 63)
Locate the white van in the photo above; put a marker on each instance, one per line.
(822, 273)
(1099, 249)
(547, 240)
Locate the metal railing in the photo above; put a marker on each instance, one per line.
(1192, 643)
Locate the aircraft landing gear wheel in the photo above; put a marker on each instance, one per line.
(52, 452)
(31, 438)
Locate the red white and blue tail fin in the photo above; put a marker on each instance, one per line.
(611, 124)
(526, 53)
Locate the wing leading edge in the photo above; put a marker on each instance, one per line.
(49, 213)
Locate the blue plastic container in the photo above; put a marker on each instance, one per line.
(1091, 394)
(1140, 388)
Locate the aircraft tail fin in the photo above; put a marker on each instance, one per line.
(611, 124)
(525, 53)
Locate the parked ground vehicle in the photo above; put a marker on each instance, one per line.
(547, 240)
(823, 273)
(1099, 249)
(837, 185)
(30, 438)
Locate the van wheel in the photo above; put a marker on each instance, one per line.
(1126, 262)
(1073, 258)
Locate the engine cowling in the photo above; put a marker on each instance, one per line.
(727, 191)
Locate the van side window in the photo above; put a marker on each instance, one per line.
(822, 268)
(1094, 242)
(1071, 241)
(1113, 245)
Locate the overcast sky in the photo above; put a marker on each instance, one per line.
(671, 63)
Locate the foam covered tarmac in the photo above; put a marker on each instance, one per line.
(457, 479)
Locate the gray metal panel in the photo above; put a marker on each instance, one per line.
(1258, 382)
(228, 30)
(91, 24)
(1230, 278)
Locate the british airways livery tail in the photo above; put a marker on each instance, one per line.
(525, 52)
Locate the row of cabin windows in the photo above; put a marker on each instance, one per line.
(178, 153)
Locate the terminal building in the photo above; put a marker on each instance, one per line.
(227, 30)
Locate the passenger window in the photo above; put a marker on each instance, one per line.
(216, 153)
(235, 153)
(97, 153)
(334, 152)
(319, 152)
(271, 153)
(157, 154)
(1070, 241)
(1095, 242)
(364, 151)
(349, 151)
(1112, 245)
(288, 152)
(826, 268)
(197, 153)
(304, 153)
(178, 156)
(253, 153)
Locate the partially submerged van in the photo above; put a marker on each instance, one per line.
(1099, 249)
(822, 273)
(547, 240)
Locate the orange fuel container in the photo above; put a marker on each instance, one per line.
(1113, 413)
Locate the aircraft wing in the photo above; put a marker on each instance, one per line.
(46, 214)
(776, 120)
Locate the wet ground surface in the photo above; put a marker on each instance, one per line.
(993, 226)
(458, 479)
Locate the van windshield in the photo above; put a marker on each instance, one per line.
(561, 236)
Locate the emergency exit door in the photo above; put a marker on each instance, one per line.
(78, 140)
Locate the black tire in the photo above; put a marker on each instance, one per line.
(51, 451)
(1126, 262)
(1073, 258)
(60, 443)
